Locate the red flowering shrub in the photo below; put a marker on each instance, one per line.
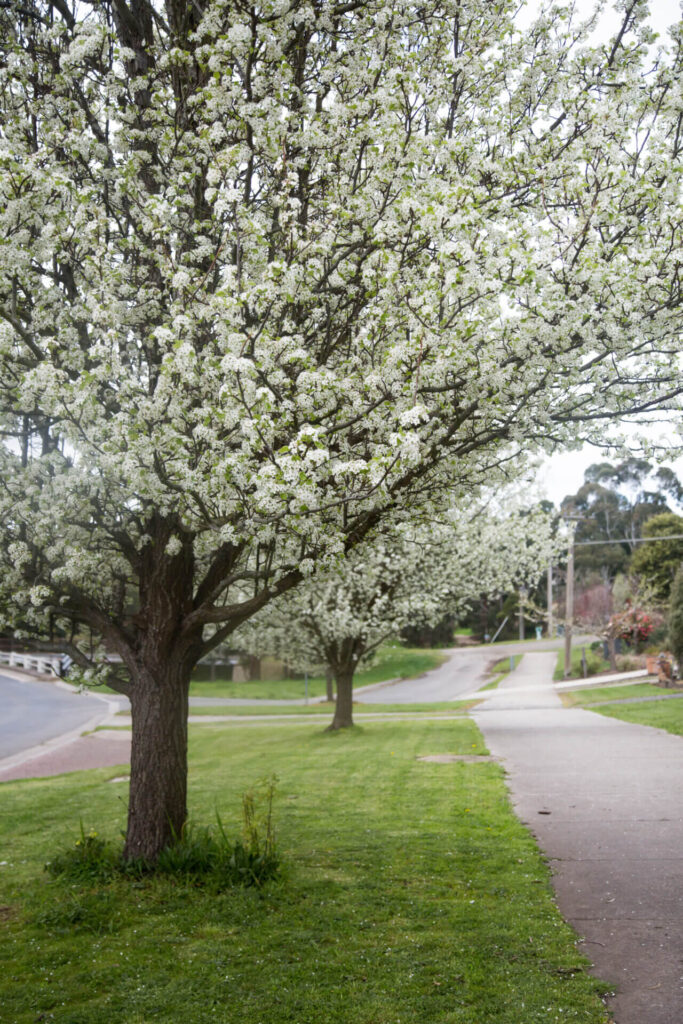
(633, 625)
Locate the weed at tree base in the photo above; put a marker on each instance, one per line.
(91, 858)
(200, 855)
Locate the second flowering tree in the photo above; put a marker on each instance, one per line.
(408, 575)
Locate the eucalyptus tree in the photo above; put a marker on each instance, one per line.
(269, 271)
(615, 506)
(407, 575)
(656, 561)
(675, 619)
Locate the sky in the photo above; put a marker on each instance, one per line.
(562, 474)
(662, 12)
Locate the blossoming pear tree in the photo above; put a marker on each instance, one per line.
(269, 272)
(409, 574)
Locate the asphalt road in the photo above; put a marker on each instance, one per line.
(465, 670)
(34, 712)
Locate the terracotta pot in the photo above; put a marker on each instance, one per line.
(651, 664)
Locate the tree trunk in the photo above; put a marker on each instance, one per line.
(253, 665)
(157, 808)
(612, 652)
(329, 684)
(343, 712)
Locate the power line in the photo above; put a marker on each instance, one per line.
(627, 540)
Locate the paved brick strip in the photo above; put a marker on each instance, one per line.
(98, 750)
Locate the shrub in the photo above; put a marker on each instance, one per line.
(633, 625)
(658, 638)
(676, 617)
(628, 663)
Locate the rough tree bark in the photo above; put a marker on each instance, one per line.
(343, 711)
(157, 808)
(329, 684)
(253, 666)
(159, 650)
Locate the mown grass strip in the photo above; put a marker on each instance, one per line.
(595, 663)
(410, 893)
(662, 714)
(604, 694)
(501, 669)
(394, 662)
(327, 709)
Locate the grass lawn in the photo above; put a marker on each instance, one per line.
(501, 669)
(663, 714)
(503, 666)
(410, 894)
(595, 664)
(391, 663)
(327, 710)
(600, 694)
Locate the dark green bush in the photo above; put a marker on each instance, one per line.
(675, 622)
(658, 639)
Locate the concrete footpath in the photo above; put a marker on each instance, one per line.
(604, 800)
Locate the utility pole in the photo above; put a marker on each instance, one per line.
(551, 624)
(569, 609)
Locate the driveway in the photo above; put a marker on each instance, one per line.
(465, 671)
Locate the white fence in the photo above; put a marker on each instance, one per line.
(43, 663)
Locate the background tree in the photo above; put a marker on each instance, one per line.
(594, 613)
(655, 563)
(408, 575)
(270, 273)
(675, 638)
(438, 634)
(614, 503)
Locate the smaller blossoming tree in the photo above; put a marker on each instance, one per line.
(408, 575)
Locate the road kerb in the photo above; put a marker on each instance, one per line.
(56, 742)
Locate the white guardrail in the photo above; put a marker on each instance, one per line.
(59, 664)
(43, 663)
